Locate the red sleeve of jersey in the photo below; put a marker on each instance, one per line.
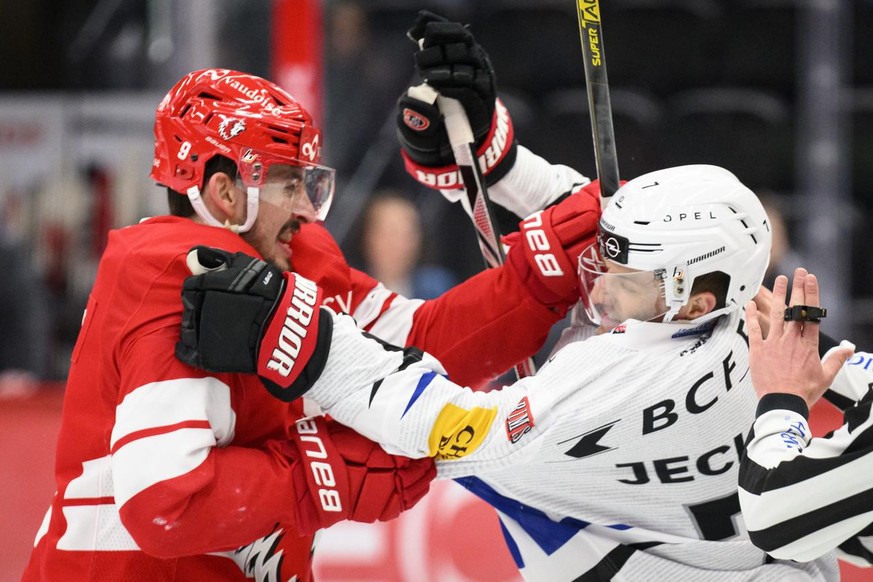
(199, 496)
(478, 330)
(235, 496)
(317, 256)
(482, 327)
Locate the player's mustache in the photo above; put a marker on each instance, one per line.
(292, 226)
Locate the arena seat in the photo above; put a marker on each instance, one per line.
(661, 46)
(760, 45)
(563, 134)
(747, 131)
(532, 45)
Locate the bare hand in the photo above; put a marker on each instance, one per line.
(763, 301)
(787, 361)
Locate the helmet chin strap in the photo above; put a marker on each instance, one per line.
(252, 196)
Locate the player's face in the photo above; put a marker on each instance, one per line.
(614, 293)
(283, 205)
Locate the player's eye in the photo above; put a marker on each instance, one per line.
(293, 186)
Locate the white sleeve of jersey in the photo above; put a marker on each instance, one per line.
(532, 184)
(855, 378)
(402, 400)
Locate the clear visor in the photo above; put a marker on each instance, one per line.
(303, 188)
(612, 293)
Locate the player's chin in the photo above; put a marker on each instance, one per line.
(609, 323)
(281, 255)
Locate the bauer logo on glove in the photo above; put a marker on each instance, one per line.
(452, 64)
(241, 314)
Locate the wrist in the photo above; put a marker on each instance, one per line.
(558, 292)
(782, 401)
(296, 341)
(531, 183)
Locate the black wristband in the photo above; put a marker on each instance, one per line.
(782, 401)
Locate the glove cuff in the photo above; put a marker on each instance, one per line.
(323, 487)
(292, 342)
(537, 256)
(496, 155)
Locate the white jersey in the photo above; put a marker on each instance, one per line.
(803, 496)
(617, 461)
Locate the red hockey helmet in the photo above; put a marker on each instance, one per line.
(245, 118)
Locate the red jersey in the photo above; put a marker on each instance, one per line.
(165, 472)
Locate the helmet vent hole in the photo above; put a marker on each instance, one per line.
(746, 226)
(642, 222)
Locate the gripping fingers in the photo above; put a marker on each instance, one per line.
(416, 32)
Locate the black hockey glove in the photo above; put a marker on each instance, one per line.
(452, 62)
(241, 314)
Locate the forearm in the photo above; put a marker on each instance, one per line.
(235, 496)
(801, 497)
(401, 400)
(482, 327)
(532, 184)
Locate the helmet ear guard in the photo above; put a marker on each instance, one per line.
(677, 291)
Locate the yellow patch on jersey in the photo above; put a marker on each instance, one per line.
(458, 432)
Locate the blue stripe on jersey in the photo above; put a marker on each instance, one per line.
(423, 383)
(511, 545)
(548, 534)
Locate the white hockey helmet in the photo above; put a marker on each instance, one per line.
(684, 222)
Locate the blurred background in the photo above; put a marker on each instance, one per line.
(778, 91)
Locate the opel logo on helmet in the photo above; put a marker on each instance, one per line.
(612, 247)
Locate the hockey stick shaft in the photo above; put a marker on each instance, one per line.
(464, 148)
(482, 210)
(599, 103)
(479, 205)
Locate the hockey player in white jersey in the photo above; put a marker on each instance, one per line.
(618, 460)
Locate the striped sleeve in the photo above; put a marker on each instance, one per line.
(801, 496)
(180, 481)
(853, 382)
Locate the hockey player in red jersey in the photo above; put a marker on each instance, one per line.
(165, 472)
